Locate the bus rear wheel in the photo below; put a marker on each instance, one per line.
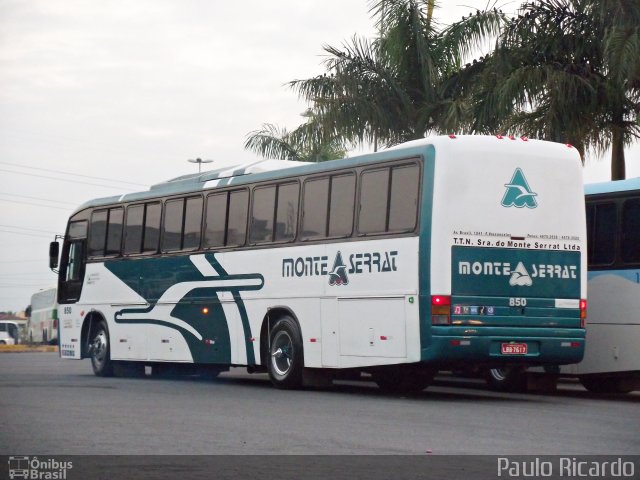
(599, 384)
(285, 362)
(506, 379)
(101, 352)
(403, 380)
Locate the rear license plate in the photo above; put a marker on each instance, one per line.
(514, 348)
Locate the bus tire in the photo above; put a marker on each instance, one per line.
(600, 384)
(128, 369)
(101, 351)
(399, 380)
(209, 372)
(506, 379)
(286, 357)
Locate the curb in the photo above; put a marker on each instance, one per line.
(28, 348)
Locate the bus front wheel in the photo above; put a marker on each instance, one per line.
(101, 352)
(286, 360)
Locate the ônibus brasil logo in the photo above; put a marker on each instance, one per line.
(518, 193)
(338, 274)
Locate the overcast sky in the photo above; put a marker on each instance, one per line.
(129, 90)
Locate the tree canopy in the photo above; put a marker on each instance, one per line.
(560, 70)
(566, 71)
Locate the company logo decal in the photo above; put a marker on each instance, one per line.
(520, 277)
(338, 276)
(359, 263)
(518, 193)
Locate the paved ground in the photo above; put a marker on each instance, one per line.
(50, 406)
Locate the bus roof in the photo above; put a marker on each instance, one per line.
(612, 187)
(275, 169)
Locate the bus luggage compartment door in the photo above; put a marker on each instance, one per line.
(372, 327)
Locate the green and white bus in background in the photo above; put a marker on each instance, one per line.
(441, 252)
(43, 322)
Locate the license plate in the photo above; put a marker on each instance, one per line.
(514, 348)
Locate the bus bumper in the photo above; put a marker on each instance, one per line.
(487, 346)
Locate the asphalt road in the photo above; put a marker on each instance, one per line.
(50, 406)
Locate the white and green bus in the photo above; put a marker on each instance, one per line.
(43, 321)
(441, 252)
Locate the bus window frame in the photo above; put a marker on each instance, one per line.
(276, 185)
(390, 166)
(619, 199)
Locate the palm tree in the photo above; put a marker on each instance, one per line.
(392, 89)
(567, 71)
(306, 143)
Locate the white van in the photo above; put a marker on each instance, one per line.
(9, 333)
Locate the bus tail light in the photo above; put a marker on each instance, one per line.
(440, 309)
(583, 312)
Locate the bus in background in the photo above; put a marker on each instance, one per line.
(612, 357)
(434, 254)
(43, 322)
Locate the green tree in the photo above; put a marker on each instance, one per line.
(566, 71)
(306, 143)
(394, 88)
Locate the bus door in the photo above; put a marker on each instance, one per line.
(72, 265)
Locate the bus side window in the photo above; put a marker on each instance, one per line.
(215, 220)
(287, 212)
(262, 213)
(182, 224)
(105, 233)
(374, 192)
(133, 229)
(97, 233)
(172, 226)
(343, 191)
(226, 219)
(314, 208)
(236, 231)
(590, 210)
(114, 231)
(153, 212)
(604, 234)
(630, 251)
(403, 204)
(192, 223)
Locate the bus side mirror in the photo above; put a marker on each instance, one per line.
(54, 252)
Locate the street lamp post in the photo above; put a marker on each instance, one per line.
(199, 161)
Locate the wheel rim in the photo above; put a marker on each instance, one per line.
(498, 373)
(281, 353)
(100, 346)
